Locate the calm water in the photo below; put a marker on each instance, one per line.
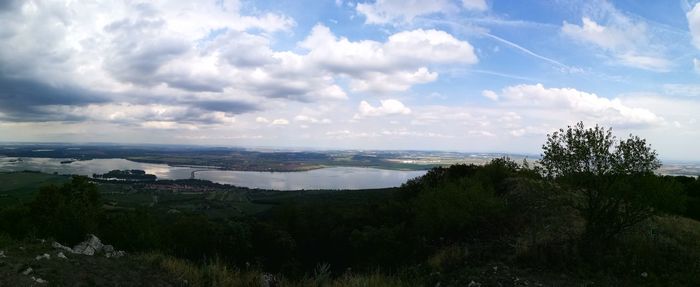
(326, 178)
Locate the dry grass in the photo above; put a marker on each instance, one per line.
(214, 273)
(218, 274)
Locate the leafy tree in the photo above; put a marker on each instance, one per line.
(68, 212)
(615, 177)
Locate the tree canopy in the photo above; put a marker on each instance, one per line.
(595, 151)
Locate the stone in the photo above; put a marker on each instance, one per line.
(39, 280)
(115, 254)
(108, 248)
(89, 247)
(61, 255)
(45, 256)
(29, 270)
(61, 246)
(2, 254)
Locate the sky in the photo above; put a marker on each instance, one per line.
(455, 75)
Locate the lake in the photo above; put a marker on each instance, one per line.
(325, 178)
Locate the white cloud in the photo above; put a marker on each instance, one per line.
(312, 120)
(280, 122)
(305, 118)
(491, 95)
(166, 125)
(179, 54)
(262, 120)
(393, 82)
(477, 5)
(628, 41)
(402, 11)
(152, 115)
(395, 65)
(387, 107)
(694, 24)
(605, 37)
(578, 104)
(645, 62)
(682, 90)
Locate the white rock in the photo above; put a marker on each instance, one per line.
(45, 256)
(61, 255)
(39, 280)
(89, 247)
(108, 248)
(61, 246)
(29, 270)
(2, 254)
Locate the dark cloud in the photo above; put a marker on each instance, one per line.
(26, 100)
(9, 5)
(233, 107)
(140, 50)
(194, 84)
(140, 64)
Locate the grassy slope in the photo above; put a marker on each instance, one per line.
(76, 270)
(679, 239)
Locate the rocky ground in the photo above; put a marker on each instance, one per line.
(43, 263)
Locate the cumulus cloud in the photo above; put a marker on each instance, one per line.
(395, 65)
(577, 103)
(386, 107)
(81, 53)
(134, 114)
(200, 57)
(628, 41)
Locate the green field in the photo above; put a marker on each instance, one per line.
(18, 187)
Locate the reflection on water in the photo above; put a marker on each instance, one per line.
(88, 167)
(326, 178)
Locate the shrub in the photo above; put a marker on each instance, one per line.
(451, 209)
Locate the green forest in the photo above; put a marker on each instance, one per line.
(591, 212)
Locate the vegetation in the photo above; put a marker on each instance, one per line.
(615, 178)
(591, 213)
(129, 175)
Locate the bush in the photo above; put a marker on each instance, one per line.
(452, 210)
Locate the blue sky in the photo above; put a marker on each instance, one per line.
(464, 75)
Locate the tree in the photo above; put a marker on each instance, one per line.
(595, 151)
(68, 212)
(615, 178)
